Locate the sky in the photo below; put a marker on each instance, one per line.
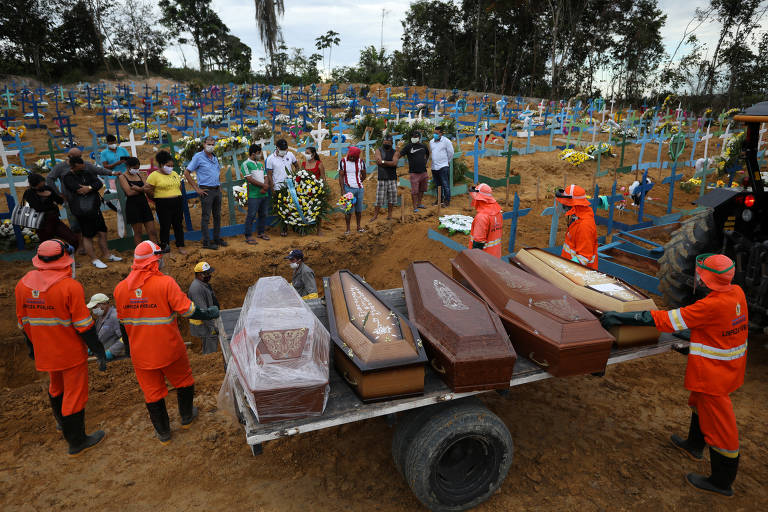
(359, 24)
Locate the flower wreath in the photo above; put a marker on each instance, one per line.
(301, 202)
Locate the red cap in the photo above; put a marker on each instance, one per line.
(145, 253)
(52, 254)
(353, 151)
(716, 270)
(483, 192)
(573, 195)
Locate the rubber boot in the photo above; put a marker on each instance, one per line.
(187, 411)
(73, 427)
(724, 471)
(693, 447)
(158, 415)
(56, 402)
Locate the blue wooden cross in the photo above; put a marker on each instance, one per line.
(514, 215)
(338, 147)
(554, 211)
(645, 139)
(22, 148)
(94, 150)
(676, 146)
(612, 200)
(642, 188)
(366, 143)
(476, 153)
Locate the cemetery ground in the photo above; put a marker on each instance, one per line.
(581, 443)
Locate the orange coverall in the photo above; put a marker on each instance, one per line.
(52, 320)
(157, 349)
(581, 238)
(716, 362)
(487, 228)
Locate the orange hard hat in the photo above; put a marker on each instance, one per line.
(483, 192)
(716, 271)
(573, 195)
(53, 254)
(145, 253)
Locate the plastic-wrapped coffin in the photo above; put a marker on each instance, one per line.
(465, 340)
(376, 349)
(546, 325)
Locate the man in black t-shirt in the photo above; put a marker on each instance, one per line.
(417, 155)
(386, 188)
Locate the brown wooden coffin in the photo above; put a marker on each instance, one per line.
(550, 328)
(376, 349)
(598, 291)
(465, 340)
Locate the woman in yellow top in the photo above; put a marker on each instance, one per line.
(164, 186)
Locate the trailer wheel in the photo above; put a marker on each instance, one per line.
(458, 458)
(677, 265)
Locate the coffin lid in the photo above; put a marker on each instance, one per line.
(451, 316)
(528, 300)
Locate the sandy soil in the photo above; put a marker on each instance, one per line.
(581, 444)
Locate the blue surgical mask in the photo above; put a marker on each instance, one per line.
(436, 136)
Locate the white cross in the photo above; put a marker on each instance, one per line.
(435, 117)
(706, 138)
(679, 111)
(727, 134)
(4, 154)
(410, 120)
(611, 113)
(318, 135)
(594, 128)
(132, 143)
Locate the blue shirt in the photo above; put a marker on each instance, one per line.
(109, 157)
(208, 169)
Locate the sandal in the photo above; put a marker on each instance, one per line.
(346, 233)
(283, 233)
(263, 236)
(361, 230)
(251, 241)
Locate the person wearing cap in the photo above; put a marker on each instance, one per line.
(580, 243)
(107, 325)
(716, 365)
(352, 174)
(488, 223)
(57, 326)
(417, 155)
(278, 164)
(208, 187)
(147, 303)
(303, 276)
(201, 293)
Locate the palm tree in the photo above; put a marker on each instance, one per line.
(327, 40)
(267, 12)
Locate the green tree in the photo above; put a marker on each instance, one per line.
(195, 17)
(327, 41)
(267, 12)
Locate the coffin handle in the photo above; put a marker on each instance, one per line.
(437, 366)
(349, 379)
(544, 363)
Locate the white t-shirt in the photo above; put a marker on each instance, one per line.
(279, 165)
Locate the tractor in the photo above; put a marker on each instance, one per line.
(735, 223)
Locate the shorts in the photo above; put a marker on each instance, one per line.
(418, 182)
(91, 226)
(358, 193)
(386, 193)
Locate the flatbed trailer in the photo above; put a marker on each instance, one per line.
(472, 432)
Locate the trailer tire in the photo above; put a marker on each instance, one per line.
(459, 457)
(696, 235)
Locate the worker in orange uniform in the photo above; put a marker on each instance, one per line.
(487, 224)
(57, 325)
(147, 302)
(581, 238)
(716, 364)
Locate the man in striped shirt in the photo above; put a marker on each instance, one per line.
(716, 363)
(147, 303)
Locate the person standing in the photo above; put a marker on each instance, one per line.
(202, 294)
(717, 360)
(83, 188)
(488, 223)
(441, 149)
(580, 243)
(147, 303)
(114, 157)
(208, 187)
(386, 186)
(258, 194)
(312, 164)
(278, 164)
(164, 185)
(138, 214)
(51, 311)
(352, 175)
(107, 325)
(417, 154)
(46, 199)
(303, 276)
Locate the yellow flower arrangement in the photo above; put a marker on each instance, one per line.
(575, 158)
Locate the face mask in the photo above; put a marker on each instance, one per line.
(294, 265)
(387, 146)
(308, 156)
(436, 136)
(167, 170)
(281, 152)
(112, 146)
(133, 171)
(97, 311)
(415, 139)
(206, 278)
(209, 148)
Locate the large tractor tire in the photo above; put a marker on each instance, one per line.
(677, 265)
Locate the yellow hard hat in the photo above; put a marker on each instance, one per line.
(203, 266)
